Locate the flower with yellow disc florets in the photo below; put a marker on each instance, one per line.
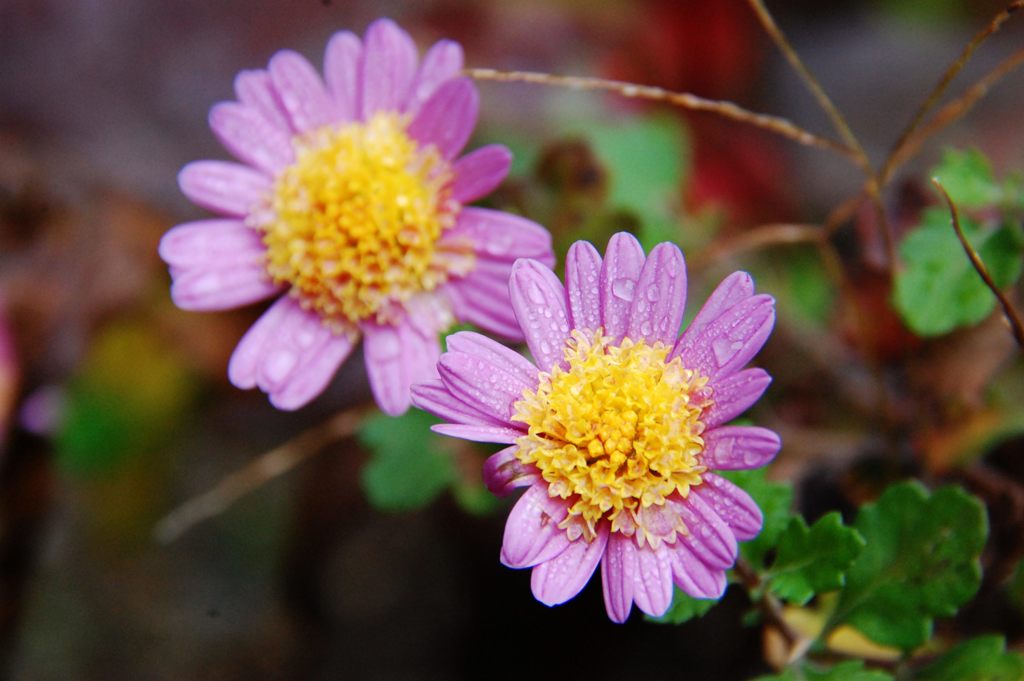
(618, 429)
(350, 209)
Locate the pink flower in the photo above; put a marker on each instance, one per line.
(617, 430)
(349, 208)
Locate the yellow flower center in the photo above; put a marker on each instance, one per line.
(353, 223)
(616, 434)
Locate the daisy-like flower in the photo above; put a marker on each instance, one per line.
(617, 429)
(349, 207)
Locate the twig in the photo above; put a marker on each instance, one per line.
(954, 110)
(940, 88)
(258, 472)
(872, 185)
(765, 235)
(838, 121)
(771, 609)
(685, 100)
(1016, 326)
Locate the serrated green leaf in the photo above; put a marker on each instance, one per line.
(980, 659)
(967, 177)
(774, 499)
(852, 670)
(685, 608)
(938, 289)
(408, 467)
(813, 560)
(920, 562)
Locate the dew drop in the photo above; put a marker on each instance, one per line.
(725, 349)
(646, 329)
(652, 293)
(623, 289)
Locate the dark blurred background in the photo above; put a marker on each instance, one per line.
(116, 405)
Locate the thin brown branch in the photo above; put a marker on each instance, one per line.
(771, 609)
(258, 472)
(940, 88)
(758, 237)
(685, 100)
(838, 121)
(952, 112)
(872, 185)
(1014, 320)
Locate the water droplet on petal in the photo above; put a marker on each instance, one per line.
(623, 289)
(652, 293)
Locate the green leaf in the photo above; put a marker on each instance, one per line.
(938, 289)
(127, 400)
(852, 670)
(920, 562)
(980, 659)
(774, 500)
(409, 466)
(647, 160)
(685, 608)
(967, 176)
(813, 560)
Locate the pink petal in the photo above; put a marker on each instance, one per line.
(478, 300)
(732, 504)
(447, 119)
(623, 260)
(397, 357)
(694, 576)
(619, 576)
(708, 536)
(434, 397)
(480, 172)
(538, 300)
(734, 394)
(564, 576)
(730, 448)
(341, 74)
(227, 188)
(209, 290)
(503, 472)
(501, 237)
(495, 353)
(657, 309)
(250, 137)
(725, 344)
(496, 434)
(442, 62)
(290, 354)
(652, 587)
(482, 383)
(254, 89)
(582, 285)
(733, 290)
(211, 243)
(389, 62)
(532, 535)
(300, 91)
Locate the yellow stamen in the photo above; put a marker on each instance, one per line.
(616, 433)
(353, 223)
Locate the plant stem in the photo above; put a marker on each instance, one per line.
(684, 100)
(256, 473)
(1014, 320)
